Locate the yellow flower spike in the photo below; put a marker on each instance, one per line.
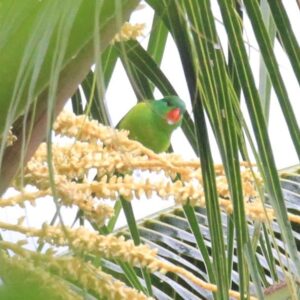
(86, 276)
(129, 32)
(139, 193)
(27, 279)
(11, 138)
(106, 150)
(21, 198)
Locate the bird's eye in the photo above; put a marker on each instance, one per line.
(168, 103)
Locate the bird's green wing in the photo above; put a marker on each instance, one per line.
(146, 126)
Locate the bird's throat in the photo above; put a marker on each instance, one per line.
(173, 116)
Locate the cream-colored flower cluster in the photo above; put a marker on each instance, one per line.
(129, 32)
(82, 240)
(42, 270)
(113, 158)
(25, 277)
(10, 138)
(87, 275)
(93, 163)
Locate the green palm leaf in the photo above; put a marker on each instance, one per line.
(47, 50)
(171, 234)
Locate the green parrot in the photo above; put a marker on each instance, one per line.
(152, 122)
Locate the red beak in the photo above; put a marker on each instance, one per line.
(174, 115)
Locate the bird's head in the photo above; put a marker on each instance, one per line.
(171, 109)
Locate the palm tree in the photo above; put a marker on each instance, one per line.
(225, 244)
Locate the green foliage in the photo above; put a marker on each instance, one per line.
(43, 43)
(39, 39)
(48, 49)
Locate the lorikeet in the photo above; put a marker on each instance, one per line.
(152, 122)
